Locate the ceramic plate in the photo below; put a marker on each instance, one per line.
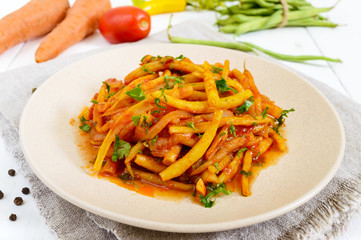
(314, 132)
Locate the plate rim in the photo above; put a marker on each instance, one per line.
(187, 228)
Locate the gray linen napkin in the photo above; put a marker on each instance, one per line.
(323, 217)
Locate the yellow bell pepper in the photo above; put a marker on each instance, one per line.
(160, 6)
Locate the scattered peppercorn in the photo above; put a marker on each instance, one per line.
(1, 194)
(25, 190)
(12, 217)
(11, 172)
(18, 201)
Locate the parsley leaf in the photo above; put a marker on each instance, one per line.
(191, 125)
(82, 119)
(232, 130)
(94, 101)
(241, 151)
(245, 106)
(154, 140)
(222, 134)
(146, 70)
(245, 173)
(85, 127)
(254, 123)
(223, 87)
(216, 69)
(180, 57)
(136, 93)
(109, 95)
(264, 113)
(136, 119)
(108, 86)
(177, 80)
(280, 120)
(157, 101)
(146, 124)
(125, 177)
(206, 200)
(200, 135)
(121, 149)
(217, 166)
(141, 60)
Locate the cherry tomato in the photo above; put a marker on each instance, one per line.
(124, 24)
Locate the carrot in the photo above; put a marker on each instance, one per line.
(80, 21)
(34, 19)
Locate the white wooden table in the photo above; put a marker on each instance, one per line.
(342, 42)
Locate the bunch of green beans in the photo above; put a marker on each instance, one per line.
(254, 15)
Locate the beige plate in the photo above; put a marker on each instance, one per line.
(315, 140)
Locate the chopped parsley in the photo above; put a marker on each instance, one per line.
(94, 101)
(217, 166)
(82, 119)
(157, 102)
(146, 124)
(191, 125)
(264, 113)
(257, 164)
(180, 57)
(141, 60)
(254, 123)
(245, 106)
(136, 93)
(109, 95)
(121, 149)
(125, 177)
(216, 69)
(245, 173)
(140, 151)
(232, 130)
(200, 135)
(223, 87)
(241, 151)
(214, 191)
(154, 140)
(146, 70)
(85, 127)
(222, 134)
(177, 80)
(280, 120)
(108, 86)
(136, 119)
(167, 86)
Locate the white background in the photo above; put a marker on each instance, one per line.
(342, 42)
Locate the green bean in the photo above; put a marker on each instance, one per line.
(296, 3)
(271, 19)
(308, 22)
(253, 12)
(263, 3)
(230, 28)
(237, 18)
(291, 58)
(260, 23)
(279, 6)
(248, 5)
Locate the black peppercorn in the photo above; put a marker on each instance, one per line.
(18, 201)
(1, 194)
(12, 217)
(25, 190)
(11, 172)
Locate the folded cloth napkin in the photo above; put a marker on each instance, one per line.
(322, 217)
